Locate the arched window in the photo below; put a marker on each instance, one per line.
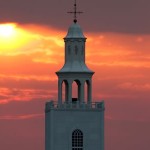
(77, 140)
(75, 90)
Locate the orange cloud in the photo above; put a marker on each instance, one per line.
(135, 87)
(18, 77)
(21, 117)
(30, 67)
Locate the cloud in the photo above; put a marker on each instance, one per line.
(118, 50)
(106, 16)
(18, 77)
(121, 62)
(20, 117)
(31, 39)
(118, 59)
(16, 94)
(135, 87)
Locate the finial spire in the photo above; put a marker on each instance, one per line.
(75, 12)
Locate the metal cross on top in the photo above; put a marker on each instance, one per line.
(75, 12)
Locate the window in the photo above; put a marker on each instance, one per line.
(77, 140)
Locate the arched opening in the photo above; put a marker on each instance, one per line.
(76, 91)
(65, 91)
(77, 140)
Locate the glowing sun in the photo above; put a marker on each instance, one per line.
(7, 30)
(13, 37)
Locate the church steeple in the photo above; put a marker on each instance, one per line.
(74, 123)
(75, 68)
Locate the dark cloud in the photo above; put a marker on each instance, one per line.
(130, 16)
(22, 108)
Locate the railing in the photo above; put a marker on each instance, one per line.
(94, 105)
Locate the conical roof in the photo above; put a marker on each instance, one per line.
(75, 63)
(75, 31)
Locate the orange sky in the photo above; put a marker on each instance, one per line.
(31, 54)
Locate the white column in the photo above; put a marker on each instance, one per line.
(66, 91)
(89, 84)
(59, 92)
(81, 94)
(79, 91)
(70, 91)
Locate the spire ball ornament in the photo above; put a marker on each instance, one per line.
(75, 12)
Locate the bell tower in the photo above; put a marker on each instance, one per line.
(75, 68)
(75, 123)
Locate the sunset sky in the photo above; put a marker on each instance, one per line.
(32, 50)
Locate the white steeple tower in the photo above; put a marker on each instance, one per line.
(76, 123)
(75, 68)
